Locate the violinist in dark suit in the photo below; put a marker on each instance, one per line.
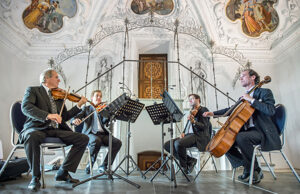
(95, 127)
(43, 121)
(259, 129)
(196, 134)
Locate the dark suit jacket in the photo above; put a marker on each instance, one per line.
(90, 122)
(36, 106)
(262, 118)
(201, 128)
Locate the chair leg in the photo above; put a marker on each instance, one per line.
(252, 165)
(233, 174)
(64, 152)
(214, 162)
(199, 162)
(28, 172)
(90, 161)
(202, 167)
(8, 158)
(272, 172)
(42, 167)
(290, 165)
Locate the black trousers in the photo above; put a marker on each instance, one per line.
(33, 140)
(179, 148)
(98, 140)
(245, 141)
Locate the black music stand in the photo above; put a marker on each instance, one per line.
(159, 115)
(175, 115)
(129, 112)
(112, 112)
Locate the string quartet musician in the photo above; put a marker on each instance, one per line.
(95, 128)
(259, 129)
(196, 134)
(44, 121)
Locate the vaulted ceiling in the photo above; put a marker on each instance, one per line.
(95, 17)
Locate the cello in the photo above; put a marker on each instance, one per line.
(240, 114)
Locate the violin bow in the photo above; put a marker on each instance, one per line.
(96, 110)
(62, 107)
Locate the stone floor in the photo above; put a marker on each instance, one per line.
(207, 182)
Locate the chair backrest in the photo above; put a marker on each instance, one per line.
(17, 118)
(279, 118)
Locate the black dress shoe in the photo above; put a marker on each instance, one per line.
(257, 176)
(87, 169)
(65, 176)
(34, 184)
(185, 170)
(192, 164)
(244, 177)
(102, 168)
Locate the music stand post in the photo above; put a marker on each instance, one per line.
(159, 116)
(175, 115)
(109, 112)
(129, 112)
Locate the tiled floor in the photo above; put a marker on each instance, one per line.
(207, 182)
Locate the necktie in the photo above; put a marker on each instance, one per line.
(188, 127)
(53, 109)
(97, 125)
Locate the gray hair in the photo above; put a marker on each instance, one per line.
(46, 74)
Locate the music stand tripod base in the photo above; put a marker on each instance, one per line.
(174, 115)
(159, 115)
(129, 112)
(111, 111)
(108, 172)
(171, 158)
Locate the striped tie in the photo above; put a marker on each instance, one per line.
(53, 109)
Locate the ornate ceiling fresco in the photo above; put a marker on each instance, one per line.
(90, 15)
(195, 31)
(219, 25)
(161, 7)
(47, 15)
(257, 16)
(229, 32)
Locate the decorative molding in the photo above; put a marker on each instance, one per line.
(111, 28)
(231, 53)
(188, 18)
(228, 34)
(5, 3)
(103, 83)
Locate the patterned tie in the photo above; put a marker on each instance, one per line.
(53, 109)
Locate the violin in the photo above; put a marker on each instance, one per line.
(58, 93)
(100, 107)
(193, 113)
(191, 118)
